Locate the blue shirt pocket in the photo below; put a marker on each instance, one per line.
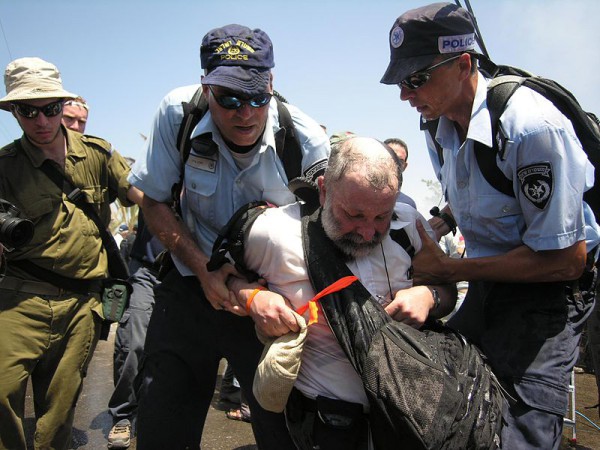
(500, 220)
(200, 189)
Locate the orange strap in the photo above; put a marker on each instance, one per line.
(312, 304)
(251, 298)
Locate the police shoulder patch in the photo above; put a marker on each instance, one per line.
(537, 183)
(316, 170)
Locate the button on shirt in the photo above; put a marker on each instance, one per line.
(493, 223)
(215, 187)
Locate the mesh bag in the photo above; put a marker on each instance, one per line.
(432, 389)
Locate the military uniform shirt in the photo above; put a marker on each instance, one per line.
(65, 241)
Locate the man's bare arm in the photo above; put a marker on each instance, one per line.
(163, 224)
(520, 265)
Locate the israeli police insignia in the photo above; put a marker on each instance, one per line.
(537, 183)
(397, 37)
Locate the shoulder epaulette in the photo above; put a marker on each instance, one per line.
(97, 142)
(8, 150)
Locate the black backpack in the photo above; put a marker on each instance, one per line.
(506, 80)
(285, 139)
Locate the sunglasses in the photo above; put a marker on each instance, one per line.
(232, 102)
(418, 79)
(31, 112)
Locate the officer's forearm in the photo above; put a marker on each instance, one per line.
(522, 265)
(163, 224)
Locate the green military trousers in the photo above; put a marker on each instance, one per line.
(52, 340)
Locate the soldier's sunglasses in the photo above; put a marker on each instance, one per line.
(418, 79)
(31, 112)
(232, 102)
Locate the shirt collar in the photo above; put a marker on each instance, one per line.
(37, 157)
(480, 125)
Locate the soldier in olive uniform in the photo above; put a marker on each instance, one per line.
(48, 332)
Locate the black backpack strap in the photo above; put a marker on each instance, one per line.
(116, 266)
(286, 143)
(230, 240)
(289, 151)
(192, 114)
(499, 92)
(431, 127)
(401, 237)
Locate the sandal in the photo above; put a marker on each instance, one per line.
(236, 414)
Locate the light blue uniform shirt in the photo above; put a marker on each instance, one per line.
(539, 137)
(214, 186)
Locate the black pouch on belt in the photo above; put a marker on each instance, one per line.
(115, 298)
(339, 424)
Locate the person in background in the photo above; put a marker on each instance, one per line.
(191, 327)
(401, 150)
(50, 299)
(231, 393)
(75, 114)
(120, 234)
(530, 264)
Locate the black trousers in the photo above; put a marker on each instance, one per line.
(186, 339)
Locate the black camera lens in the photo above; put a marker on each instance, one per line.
(15, 232)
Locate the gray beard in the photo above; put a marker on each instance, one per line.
(350, 244)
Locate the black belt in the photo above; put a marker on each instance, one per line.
(43, 288)
(308, 404)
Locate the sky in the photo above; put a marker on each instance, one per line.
(123, 56)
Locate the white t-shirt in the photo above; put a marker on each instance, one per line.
(274, 250)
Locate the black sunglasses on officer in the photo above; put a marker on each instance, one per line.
(229, 101)
(418, 79)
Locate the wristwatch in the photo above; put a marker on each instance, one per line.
(436, 298)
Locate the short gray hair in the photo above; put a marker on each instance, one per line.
(374, 159)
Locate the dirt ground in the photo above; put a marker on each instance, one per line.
(587, 435)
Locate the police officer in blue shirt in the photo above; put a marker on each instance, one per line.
(522, 307)
(193, 324)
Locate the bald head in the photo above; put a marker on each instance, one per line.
(358, 193)
(374, 161)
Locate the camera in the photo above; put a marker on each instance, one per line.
(14, 231)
